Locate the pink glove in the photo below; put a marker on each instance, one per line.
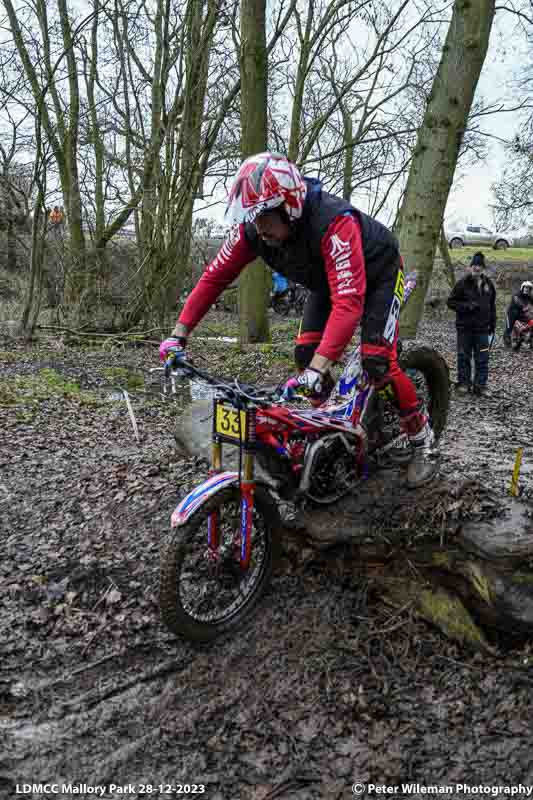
(309, 383)
(174, 345)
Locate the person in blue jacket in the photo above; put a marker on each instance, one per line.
(280, 283)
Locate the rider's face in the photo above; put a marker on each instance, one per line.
(272, 229)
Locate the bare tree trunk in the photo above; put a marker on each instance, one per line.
(199, 40)
(90, 57)
(32, 307)
(254, 285)
(348, 156)
(439, 140)
(62, 132)
(449, 271)
(301, 74)
(11, 264)
(78, 277)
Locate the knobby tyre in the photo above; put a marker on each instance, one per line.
(432, 367)
(281, 306)
(201, 599)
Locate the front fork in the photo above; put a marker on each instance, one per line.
(247, 510)
(247, 489)
(364, 391)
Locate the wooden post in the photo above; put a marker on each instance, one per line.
(514, 489)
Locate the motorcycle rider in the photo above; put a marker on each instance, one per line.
(519, 313)
(352, 267)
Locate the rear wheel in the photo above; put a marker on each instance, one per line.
(429, 373)
(202, 594)
(281, 304)
(456, 243)
(501, 244)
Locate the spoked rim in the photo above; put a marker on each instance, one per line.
(212, 587)
(400, 447)
(422, 389)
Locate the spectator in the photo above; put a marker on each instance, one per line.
(519, 313)
(56, 219)
(280, 283)
(473, 299)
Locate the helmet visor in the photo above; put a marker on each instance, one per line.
(237, 211)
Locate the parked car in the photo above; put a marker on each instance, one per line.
(478, 235)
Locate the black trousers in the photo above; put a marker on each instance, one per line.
(474, 346)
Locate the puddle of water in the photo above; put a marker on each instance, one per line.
(16, 729)
(229, 339)
(201, 391)
(188, 392)
(525, 469)
(114, 397)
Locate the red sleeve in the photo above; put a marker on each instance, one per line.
(233, 256)
(342, 251)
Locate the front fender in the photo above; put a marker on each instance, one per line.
(198, 496)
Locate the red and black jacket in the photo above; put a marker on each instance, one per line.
(334, 248)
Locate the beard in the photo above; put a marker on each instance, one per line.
(275, 243)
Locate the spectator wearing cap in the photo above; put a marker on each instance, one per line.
(473, 299)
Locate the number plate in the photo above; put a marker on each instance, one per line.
(227, 422)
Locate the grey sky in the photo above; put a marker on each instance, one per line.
(471, 193)
(471, 196)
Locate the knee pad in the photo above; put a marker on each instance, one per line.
(377, 367)
(303, 353)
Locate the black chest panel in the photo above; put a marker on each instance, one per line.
(300, 258)
(298, 261)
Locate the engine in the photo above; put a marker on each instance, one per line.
(330, 468)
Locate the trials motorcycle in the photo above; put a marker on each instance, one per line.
(217, 560)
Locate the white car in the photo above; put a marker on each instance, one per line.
(478, 234)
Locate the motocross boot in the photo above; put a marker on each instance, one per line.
(424, 464)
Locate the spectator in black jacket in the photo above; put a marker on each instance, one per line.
(473, 299)
(520, 310)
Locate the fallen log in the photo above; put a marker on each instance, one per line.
(461, 556)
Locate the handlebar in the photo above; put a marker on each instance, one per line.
(239, 393)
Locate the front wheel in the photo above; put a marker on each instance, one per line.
(203, 593)
(456, 243)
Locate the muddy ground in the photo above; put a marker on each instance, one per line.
(327, 687)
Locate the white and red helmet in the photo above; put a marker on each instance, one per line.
(263, 182)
